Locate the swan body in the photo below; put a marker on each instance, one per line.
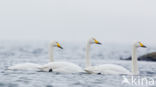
(111, 68)
(62, 67)
(25, 66)
(107, 69)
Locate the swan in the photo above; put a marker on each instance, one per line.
(32, 66)
(111, 68)
(61, 67)
(24, 66)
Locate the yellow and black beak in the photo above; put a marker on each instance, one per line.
(58, 45)
(142, 45)
(97, 42)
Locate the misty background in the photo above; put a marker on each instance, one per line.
(120, 21)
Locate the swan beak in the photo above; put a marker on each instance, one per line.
(97, 42)
(144, 46)
(59, 46)
(141, 45)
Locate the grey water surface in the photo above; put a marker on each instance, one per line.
(12, 53)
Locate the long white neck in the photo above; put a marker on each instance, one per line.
(134, 61)
(51, 53)
(88, 64)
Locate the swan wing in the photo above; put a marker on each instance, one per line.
(64, 67)
(107, 69)
(24, 66)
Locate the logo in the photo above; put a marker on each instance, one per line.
(138, 81)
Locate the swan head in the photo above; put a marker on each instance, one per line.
(139, 44)
(56, 44)
(94, 41)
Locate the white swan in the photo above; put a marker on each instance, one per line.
(31, 66)
(63, 67)
(111, 68)
(24, 66)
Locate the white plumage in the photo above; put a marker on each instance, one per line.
(107, 69)
(63, 67)
(25, 66)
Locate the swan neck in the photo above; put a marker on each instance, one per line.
(134, 61)
(51, 53)
(88, 64)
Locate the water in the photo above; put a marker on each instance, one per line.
(12, 53)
